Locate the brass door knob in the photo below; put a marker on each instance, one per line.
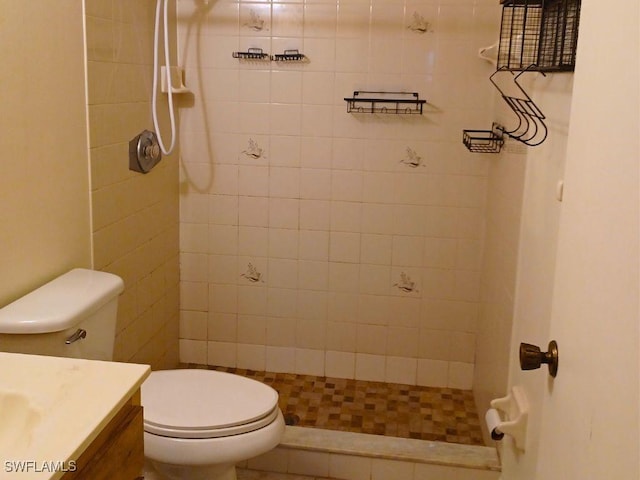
(531, 357)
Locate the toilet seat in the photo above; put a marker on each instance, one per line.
(195, 403)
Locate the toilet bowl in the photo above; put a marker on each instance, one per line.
(199, 423)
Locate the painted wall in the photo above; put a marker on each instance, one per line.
(44, 211)
(323, 242)
(69, 199)
(135, 216)
(505, 192)
(522, 225)
(596, 278)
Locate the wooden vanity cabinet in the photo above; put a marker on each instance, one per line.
(117, 453)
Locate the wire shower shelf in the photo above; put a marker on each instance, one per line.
(543, 33)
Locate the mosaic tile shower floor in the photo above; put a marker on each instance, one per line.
(406, 411)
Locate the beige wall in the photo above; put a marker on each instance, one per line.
(520, 249)
(135, 216)
(504, 203)
(44, 185)
(59, 209)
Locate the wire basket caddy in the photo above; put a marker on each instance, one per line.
(559, 35)
(519, 33)
(542, 33)
(484, 141)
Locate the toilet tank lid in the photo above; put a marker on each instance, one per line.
(60, 304)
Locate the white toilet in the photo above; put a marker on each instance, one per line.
(198, 423)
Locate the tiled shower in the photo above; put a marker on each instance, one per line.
(319, 241)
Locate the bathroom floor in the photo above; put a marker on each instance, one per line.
(406, 411)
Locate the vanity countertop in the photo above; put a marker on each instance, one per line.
(52, 408)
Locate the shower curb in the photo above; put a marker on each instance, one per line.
(391, 448)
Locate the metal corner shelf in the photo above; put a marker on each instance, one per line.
(399, 103)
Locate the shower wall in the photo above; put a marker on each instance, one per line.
(324, 242)
(134, 216)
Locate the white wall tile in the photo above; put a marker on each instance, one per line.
(315, 183)
(284, 182)
(284, 151)
(282, 302)
(252, 329)
(340, 364)
(223, 239)
(402, 342)
(401, 370)
(194, 238)
(375, 309)
(251, 356)
(390, 469)
(193, 351)
(193, 325)
(222, 327)
(383, 256)
(316, 152)
(424, 471)
(222, 354)
(280, 359)
(253, 181)
(283, 213)
(433, 373)
(349, 467)
(252, 300)
(314, 245)
(309, 463)
(194, 267)
(253, 211)
(252, 241)
(313, 275)
(370, 367)
(194, 296)
(375, 279)
(309, 362)
(223, 298)
(460, 375)
(275, 460)
(346, 185)
(344, 247)
(315, 215)
(283, 243)
(281, 332)
(223, 209)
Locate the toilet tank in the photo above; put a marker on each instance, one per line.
(73, 315)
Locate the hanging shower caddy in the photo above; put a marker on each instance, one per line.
(535, 36)
(530, 128)
(399, 103)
